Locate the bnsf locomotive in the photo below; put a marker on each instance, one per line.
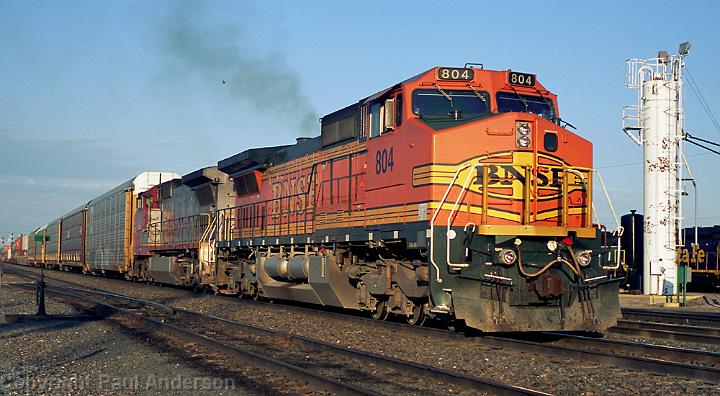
(455, 194)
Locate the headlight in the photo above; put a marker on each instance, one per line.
(508, 256)
(524, 141)
(523, 133)
(552, 246)
(584, 258)
(523, 128)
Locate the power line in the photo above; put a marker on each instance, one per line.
(702, 140)
(640, 162)
(696, 90)
(692, 140)
(700, 145)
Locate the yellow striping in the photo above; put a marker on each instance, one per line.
(443, 174)
(387, 215)
(477, 210)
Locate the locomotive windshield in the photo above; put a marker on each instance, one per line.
(514, 102)
(438, 103)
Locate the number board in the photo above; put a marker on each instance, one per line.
(455, 73)
(524, 79)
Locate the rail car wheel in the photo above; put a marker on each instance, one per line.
(380, 312)
(417, 318)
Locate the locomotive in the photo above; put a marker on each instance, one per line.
(456, 194)
(698, 252)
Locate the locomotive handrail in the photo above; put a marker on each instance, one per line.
(232, 225)
(451, 235)
(165, 232)
(208, 229)
(256, 216)
(207, 255)
(619, 230)
(432, 222)
(526, 199)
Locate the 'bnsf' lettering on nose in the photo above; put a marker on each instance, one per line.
(505, 175)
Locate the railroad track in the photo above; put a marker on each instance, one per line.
(703, 319)
(689, 363)
(696, 327)
(291, 355)
(684, 333)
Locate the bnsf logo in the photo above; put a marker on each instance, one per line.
(291, 195)
(544, 174)
(506, 174)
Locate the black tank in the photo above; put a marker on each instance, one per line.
(632, 243)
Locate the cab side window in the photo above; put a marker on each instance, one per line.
(398, 110)
(375, 119)
(385, 115)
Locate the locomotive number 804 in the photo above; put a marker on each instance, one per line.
(454, 195)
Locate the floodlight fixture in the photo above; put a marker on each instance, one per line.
(684, 48)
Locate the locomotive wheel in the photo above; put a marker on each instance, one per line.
(380, 312)
(418, 316)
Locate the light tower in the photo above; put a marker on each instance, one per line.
(656, 123)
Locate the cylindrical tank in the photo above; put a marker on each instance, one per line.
(299, 268)
(660, 176)
(276, 267)
(632, 243)
(296, 269)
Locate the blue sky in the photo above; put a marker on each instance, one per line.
(93, 92)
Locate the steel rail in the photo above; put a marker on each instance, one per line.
(648, 350)
(438, 374)
(711, 319)
(696, 334)
(313, 380)
(690, 329)
(443, 375)
(609, 356)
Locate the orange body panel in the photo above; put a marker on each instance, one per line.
(403, 174)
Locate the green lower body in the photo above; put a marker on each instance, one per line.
(594, 309)
(491, 296)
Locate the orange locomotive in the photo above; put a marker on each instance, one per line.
(454, 194)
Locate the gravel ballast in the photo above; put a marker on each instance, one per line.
(532, 370)
(78, 355)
